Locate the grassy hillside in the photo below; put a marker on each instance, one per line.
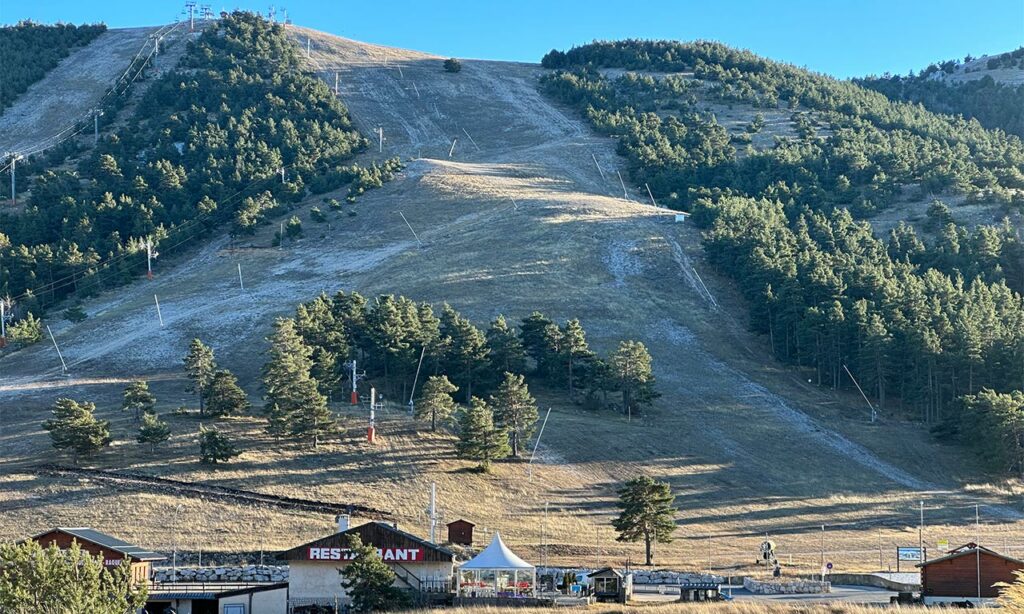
(516, 217)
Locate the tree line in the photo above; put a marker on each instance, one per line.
(30, 50)
(393, 340)
(993, 104)
(932, 327)
(205, 145)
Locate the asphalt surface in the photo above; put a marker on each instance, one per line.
(842, 594)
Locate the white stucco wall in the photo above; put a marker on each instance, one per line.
(264, 602)
(322, 580)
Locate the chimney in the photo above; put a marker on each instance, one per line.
(343, 520)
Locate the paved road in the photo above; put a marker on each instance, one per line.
(845, 594)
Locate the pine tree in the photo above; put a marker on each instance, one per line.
(138, 399)
(632, 367)
(74, 427)
(224, 397)
(153, 431)
(436, 400)
(647, 513)
(368, 580)
(467, 354)
(574, 351)
(506, 349)
(41, 580)
(200, 367)
(291, 392)
(479, 439)
(215, 447)
(515, 410)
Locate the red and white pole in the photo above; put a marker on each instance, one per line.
(355, 383)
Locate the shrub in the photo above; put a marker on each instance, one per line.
(452, 65)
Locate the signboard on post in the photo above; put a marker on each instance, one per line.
(943, 544)
(909, 553)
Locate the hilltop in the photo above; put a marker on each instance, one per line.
(525, 212)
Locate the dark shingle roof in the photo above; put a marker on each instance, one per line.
(109, 542)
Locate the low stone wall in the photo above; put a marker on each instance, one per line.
(245, 573)
(864, 579)
(796, 587)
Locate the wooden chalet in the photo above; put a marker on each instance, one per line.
(966, 571)
(114, 551)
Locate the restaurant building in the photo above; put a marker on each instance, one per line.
(422, 568)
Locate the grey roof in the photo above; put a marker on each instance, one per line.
(108, 542)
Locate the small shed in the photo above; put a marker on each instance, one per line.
(460, 532)
(968, 572)
(114, 551)
(700, 591)
(610, 585)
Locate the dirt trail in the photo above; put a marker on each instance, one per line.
(518, 217)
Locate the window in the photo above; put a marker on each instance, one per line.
(234, 608)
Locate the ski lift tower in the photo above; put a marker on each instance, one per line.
(371, 430)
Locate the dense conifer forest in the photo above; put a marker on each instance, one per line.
(993, 104)
(930, 327)
(205, 145)
(30, 50)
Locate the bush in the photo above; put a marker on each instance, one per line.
(452, 65)
(26, 332)
(293, 229)
(75, 314)
(317, 215)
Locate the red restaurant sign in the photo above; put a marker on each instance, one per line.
(387, 554)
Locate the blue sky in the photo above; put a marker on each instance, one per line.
(840, 37)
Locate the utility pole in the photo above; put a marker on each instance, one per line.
(280, 238)
(241, 286)
(623, 184)
(920, 533)
(410, 228)
(452, 150)
(158, 314)
(356, 376)
(3, 319)
(190, 6)
(96, 127)
(150, 254)
(597, 165)
(380, 139)
(977, 547)
(822, 553)
(651, 195)
(873, 413)
(371, 432)
(281, 170)
(307, 47)
(63, 365)
(14, 158)
(335, 83)
(432, 512)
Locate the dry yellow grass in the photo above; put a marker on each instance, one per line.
(726, 433)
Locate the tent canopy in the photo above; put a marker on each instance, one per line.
(496, 556)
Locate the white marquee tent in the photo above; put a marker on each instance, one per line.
(497, 564)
